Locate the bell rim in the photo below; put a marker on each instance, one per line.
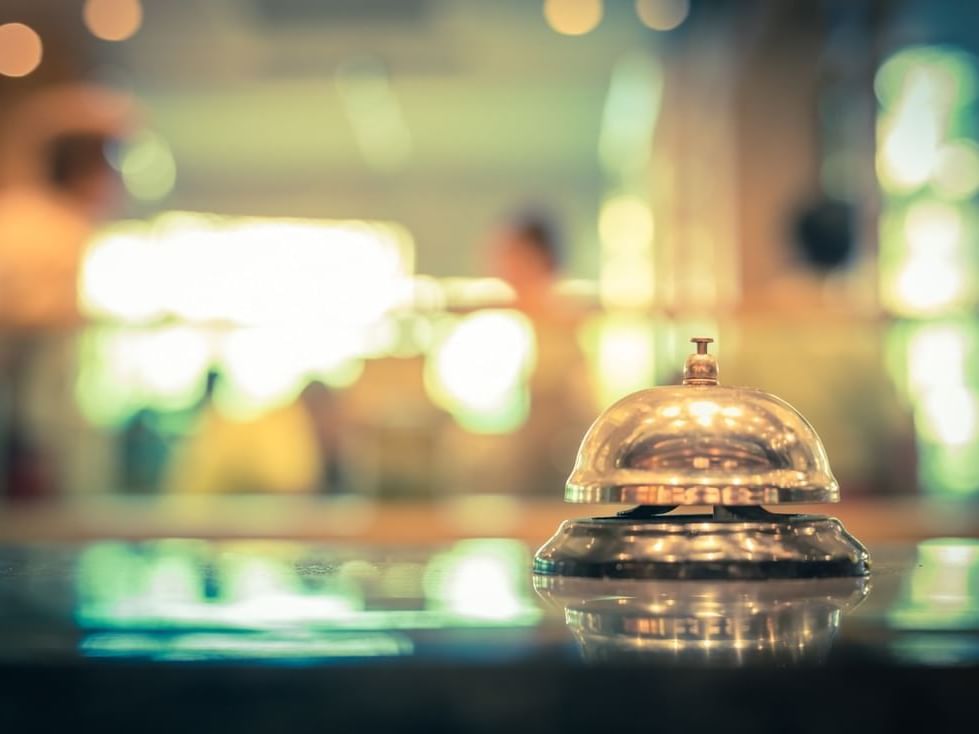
(686, 495)
(700, 547)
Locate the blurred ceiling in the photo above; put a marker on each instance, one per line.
(249, 86)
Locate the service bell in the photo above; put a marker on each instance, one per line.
(701, 443)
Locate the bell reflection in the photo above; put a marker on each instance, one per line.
(703, 623)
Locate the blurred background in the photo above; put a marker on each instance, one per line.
(371, 267)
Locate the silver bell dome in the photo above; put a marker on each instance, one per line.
(701, 443)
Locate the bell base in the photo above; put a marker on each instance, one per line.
(755, 545)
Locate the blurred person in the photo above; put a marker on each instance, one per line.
(323, 409)
(823, 271)
(274, 451)
(56, 186)
(807, 340)
(526, 252)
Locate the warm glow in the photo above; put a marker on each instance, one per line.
(625, 357)
(479, 370)
(20, 49)
(662, 15)
(573, 17)
(113, 20)
(249, 271)
(625, 223)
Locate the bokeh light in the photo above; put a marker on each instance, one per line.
(943, 588)
(625, 223)
(573, 17)
(20, 49)
(113, 20)
(481, 580)
(949, 415)
(662, 15)
(479, 370)
(956, 171)
(920, 89)
(148, 168)
(205, 268)
(624, 353)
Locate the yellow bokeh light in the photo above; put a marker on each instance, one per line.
(662, 15)
(20, 49)
(113, 20)
(626, 223)
(934, 229)
(573, 17)
(625, 357)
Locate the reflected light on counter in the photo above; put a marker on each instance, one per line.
(113, 20)
(20, 49)
(662, 15)
(943, 590)
(481, 580)
(278, 646)
(573, 17)
(148, 168)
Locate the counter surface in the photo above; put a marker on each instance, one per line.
(264, 634)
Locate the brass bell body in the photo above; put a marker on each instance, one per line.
(701, 443)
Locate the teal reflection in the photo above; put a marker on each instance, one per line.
(217, 645)
(942, 592)
(186, 599)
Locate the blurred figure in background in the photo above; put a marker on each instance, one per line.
(56, 186)
(526, 252)
(275, 451)
(807, 339)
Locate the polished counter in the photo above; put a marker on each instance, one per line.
(282, 634)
